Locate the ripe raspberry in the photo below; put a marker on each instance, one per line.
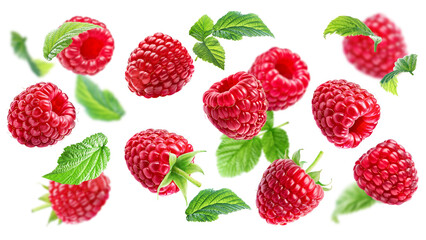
(41, 115)
(78, 203)
(159, 66)
(286, 192)
(284, 77)
(147, 156)
(237, 106)
(387, 173)
(90, 51)
(359, 50)
(345, 113)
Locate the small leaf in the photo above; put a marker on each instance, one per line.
(349, 26)
(352, 200)
(269, 124)
(406, 64)
(101, 105)
(237, 156)
(59, 39)
(42, 66)
(211, 51)
(82, 161)
(208, 204)
(235, 25)
(275, 144)
(202, 28)
(315, 175)
(168, 178)
(39, 67)
(296, 158)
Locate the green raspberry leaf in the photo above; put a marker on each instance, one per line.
(349, 26)
(42, 66)
(269, 124)
(202, 28)
(208, 204)
(101, 105)
(211, 51)
(59, 39)
(406, 64)
(275, 144)
(352, 200)
(237, 156)
(19, 46)
(235, 25)
(82, 161)
(39, 67)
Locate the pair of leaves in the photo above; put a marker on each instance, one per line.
(237, 156)
(208, 204)
(82, 161)
(405, 64)
(180, 170)
(232, 26)
(101, 105)
(57, 40)
(349, 26)
(39, 67)
(353, 199)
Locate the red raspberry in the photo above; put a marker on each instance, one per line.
(90, 51)
(359, 50)
(387, 173)
(159, 66)
(286, 193)
(147, 156)
(284, 77)
(78, 203)
(237, 106)
(345, 113)
(41, 115)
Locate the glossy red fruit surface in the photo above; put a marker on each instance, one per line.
(90, 51)
(147, 157)
(387, 173)
(158, 67)
(345, 113)
(284, 77)
(359, 50)
(237, 106)
(286, 193)
(41, 115)
(78, 203)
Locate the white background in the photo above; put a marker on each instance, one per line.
(132, 212)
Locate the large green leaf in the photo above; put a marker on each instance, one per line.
(275, 144)
(352, 200)
(235, 25)
(237, 156)
(82, 161)
(59, 39)
(211, 51)
(101, 105)
(208, 204)
(349, 26)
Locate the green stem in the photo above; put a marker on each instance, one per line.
(281, 125)
(186, 176)
(315, 161)
(41, 207)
